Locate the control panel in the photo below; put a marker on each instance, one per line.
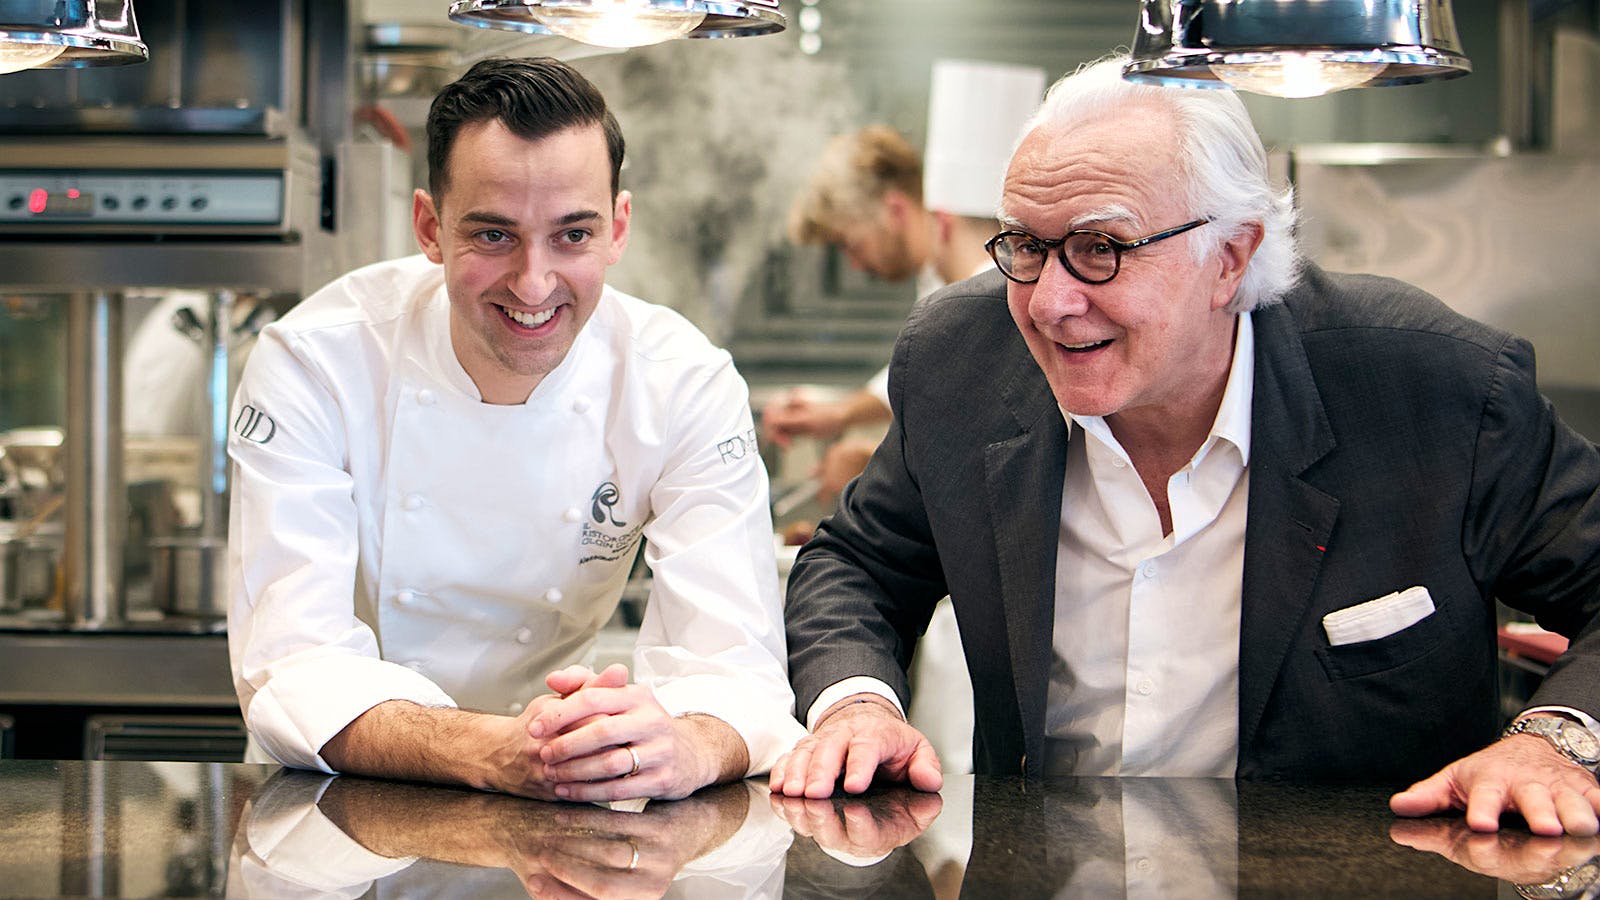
(146, 198)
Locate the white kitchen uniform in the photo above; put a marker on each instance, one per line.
(395, 538)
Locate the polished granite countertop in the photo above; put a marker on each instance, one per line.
(115, 829)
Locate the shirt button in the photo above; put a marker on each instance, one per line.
(425, 397)
(514, 708)
(571, 514)
(1148, 569)
(1145, 866)
(1147, 687)
(1119, 463)
(404, 598)
(553, 595)
(411, 502)
(413, 665)
(580, 404)
(524, 635)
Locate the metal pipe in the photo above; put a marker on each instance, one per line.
(1516, 75)
(96, 499)
(214, 461)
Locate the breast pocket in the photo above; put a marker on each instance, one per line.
(1392, 651)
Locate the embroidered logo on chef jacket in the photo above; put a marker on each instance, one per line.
(605, 546)
(254, 425)
(738, 446)
(603, 504)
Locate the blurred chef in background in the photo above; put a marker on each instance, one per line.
(894, 218)
(444, 466)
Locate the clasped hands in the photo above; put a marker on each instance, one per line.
(600, 738)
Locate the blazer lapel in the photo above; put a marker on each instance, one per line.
(1289, 520)
(1024, 475)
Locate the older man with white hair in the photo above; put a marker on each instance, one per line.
(1203, 508)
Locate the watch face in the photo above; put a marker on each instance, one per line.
(1581, 742)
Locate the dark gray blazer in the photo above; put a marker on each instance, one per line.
(1394, 443)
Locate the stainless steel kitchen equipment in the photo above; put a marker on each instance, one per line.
(213, 168)
(91, 215)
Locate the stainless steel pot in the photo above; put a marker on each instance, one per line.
(27, 568)
(187, 576)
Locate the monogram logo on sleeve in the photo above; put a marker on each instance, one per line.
(254, 425)
(738, 447)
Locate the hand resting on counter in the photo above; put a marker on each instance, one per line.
(860, 737)
(1521, 774)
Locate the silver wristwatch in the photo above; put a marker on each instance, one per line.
(1577, 883)
(1571, 739)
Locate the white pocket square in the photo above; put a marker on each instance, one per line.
(1378, 618)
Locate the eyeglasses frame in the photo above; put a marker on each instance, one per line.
(1118, 247)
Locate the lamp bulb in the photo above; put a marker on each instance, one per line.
(16, 56)
(1296, 75)
(620, 23)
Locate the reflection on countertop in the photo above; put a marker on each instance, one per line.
(198, 829)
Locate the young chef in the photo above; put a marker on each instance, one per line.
(444, 466)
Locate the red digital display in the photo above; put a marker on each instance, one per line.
(70, 202)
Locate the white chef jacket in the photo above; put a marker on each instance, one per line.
(392, 537)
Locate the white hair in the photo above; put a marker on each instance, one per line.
(1221, 161)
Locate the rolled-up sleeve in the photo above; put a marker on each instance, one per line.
(712, 639)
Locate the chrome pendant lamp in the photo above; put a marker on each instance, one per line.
(1295, 48)
(624, 23)
(68, 34)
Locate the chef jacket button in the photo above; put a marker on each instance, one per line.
(1146, 687)
(571, 514)
(524, 635)
(411, 501)
(553, 595)
(580, 404)
(425, 397)
(404, 598)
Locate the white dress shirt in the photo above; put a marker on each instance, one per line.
(1145, 676)
(393, 537)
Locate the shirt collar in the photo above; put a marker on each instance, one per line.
(1233, 416)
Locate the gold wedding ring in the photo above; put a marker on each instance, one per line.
(632, 771)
